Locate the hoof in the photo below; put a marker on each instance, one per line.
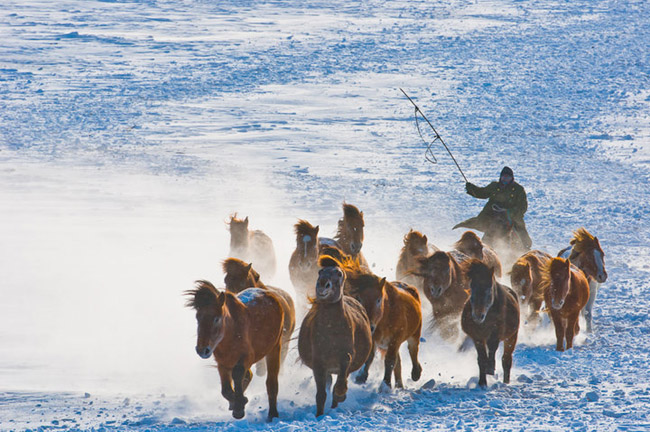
(338, 398)
(361, 378)
(272, 414)
(416, 372)
(238, 414)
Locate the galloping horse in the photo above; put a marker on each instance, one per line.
(240, 276)
(473, 247)
(239, 330)
(526, 279)
(335, 335)
(491, 315)
(303, 265)
(349, 235)
(566, 292)
(586, 254)
(415, 246)
(446, 287)
(395, 316)
(251, 246)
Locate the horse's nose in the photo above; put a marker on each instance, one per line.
(558, 305)
(479, 318)
(372, 328)
(602, 277)
(355, 247)
(203, 352)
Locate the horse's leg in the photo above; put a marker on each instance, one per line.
(272, 370)
(413, 344)
(247, 379)
(493, 346)
(341, 386)
(569, 331)
(238, 373)
(482, 362)
(260, 368)
(506, 359)
(535, 306)
(397, 371)
(593, 292)
(389, 363)
(559, 331)
(226, 385)
(362, 376)
(320, 376)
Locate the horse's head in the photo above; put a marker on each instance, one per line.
(557, 279)
(238, 231)
(239, 275)
(436, 272)
(521, 279)
(416, 243)
(306, 244)
(210, 311)
(368, 289)
(482, 285)
(350, 230)
(587, 255)
(470, 244)
(331, 277)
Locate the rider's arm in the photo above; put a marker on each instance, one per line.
(481, 192)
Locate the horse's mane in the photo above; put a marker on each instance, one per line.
(361, 275)
(337, 254)
(410, 236)
(349, 212)
(303, 228)
(232, 265)
(476, 268)
(467, 235)
(581, 240)
(547, 270)
(205, 294)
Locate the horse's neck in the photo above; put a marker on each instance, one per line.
(239, 245)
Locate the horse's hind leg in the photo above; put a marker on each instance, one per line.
(273, 369)
(341, 386)
(493, 345)
(587, 311)
(397, 371)
(362, 376)
(506, 360)
(414, 345)
(226, 386)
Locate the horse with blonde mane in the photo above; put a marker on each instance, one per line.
(239, 331)
(526, 281)
(416, 246)
(566, 292)
(472, 246)
(586, 254)
(303, 265)
(251, 246)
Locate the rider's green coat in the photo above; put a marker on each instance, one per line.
(511, 197)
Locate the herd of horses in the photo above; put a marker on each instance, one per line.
(353, 313)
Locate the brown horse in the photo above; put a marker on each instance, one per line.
(349, 235)
(335, 335)
(526, 280)
(491, 315)
(303, 265)
(240, 276)
(239, 330)
(415, 246)
(472, 246)
(446, 287)
(252, 246)
(395, 316)
(566, 292)
(586, 254)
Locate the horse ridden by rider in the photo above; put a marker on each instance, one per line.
(503, 215)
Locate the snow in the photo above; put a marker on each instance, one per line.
(129, 131)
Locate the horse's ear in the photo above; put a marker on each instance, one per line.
(382, 283)
(246, 221)
(221, 298)
(316, 229)
(426, 240)
(249, 267)
(361, 213)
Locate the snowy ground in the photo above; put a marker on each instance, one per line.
(130, 130)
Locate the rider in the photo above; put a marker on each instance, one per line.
(507, 201)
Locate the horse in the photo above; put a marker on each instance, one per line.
(395, 316)
(335, 336)
(349, 235)
(239, 330)
(303, 265)
(415, 246)
(491, 315)
(472, 246)
(585, 253)
(566, 292)
(251, 246)
(240, 276)
(446, 287)
(526, 278)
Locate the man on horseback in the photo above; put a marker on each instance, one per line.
(504, 211)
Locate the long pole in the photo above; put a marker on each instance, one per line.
(418, 110)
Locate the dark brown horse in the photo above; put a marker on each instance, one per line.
(586, 254)
(566, 292)
(446, 287)
(303, 265)
(239, 330)
(335, 335)
(526, 281)
(252, 246)
(349, 235)
(491, 315)
(240, 276)
(472, 246)
(395, 316)
(416, 246)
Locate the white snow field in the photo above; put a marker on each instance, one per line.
(131, 130)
